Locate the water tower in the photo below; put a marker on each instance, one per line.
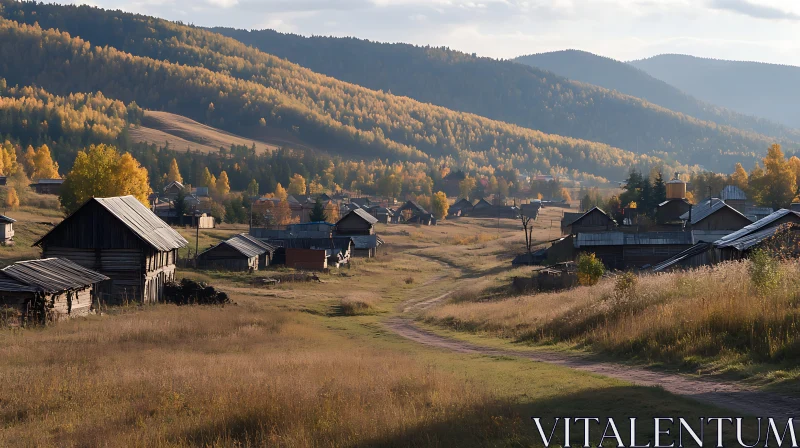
(676, 188)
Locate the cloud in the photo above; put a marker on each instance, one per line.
(755, 10)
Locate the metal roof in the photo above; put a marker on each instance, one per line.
(143, 222)
(753, 239)
(632, 239)
(732, 192)
(363, 214)
(366, 241)
(246, 245)
(139, 219)
(5, 219)
(49, 275)
(49, 181)
(697, 249)
(705, 209)
(755, 227)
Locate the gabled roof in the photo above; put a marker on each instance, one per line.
(138, 219)
(461, 204)
(174, 183)
(361, 213)
(482, 203)
(707, 208)
(762, 223)
(246, 245)
(592, 211)
(6, 220)
(49, 275)
(411, 204)
(732, 192)
(668, 201)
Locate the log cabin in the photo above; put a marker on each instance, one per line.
(6, 230)
(239, 253)
(122, 239)
(46, 290)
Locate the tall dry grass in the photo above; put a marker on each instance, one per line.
(232, 376)
(708, 313)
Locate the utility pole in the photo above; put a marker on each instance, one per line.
(196, 235)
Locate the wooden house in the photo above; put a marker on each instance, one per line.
(239, 253)
(595, 220)
(3, 180)
(530, 210)
(48, 186)
(360, 225)
(6, 230)
(409, 210)
(735, 197)
(619, 250)
(48, 290)
(461, 207)
(173, 189)
(315, 253)
(121, 239)
(714, 214)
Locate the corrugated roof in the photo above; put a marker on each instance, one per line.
(7, 220)
(247, 245)
(139, 219)
(732, 192)
(632, 239)
(366, 241)
(753, 239)
(50, 181)
(697, 249)
(143, 222)
(705, 209)
(51, 275)
(756, 226)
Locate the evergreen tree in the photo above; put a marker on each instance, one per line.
(318, 212)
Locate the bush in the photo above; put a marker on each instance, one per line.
(625, 285)
(409, 280)
(590, 269)
(355, 306)
(764, 271)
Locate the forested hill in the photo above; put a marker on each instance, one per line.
(519, 94)
(221, 82)
(625, 78)
(764, 90)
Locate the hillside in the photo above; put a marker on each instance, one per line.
(754, 88)
(624, 78)
(223, 83)
(526, 96)
(183, 133)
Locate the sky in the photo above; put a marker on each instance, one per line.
(753, 30)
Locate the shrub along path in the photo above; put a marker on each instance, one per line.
(726, 395)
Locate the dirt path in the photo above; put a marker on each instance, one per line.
(724, 395)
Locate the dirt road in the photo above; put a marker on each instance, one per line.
(721, 394)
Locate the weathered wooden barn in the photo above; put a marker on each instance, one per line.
(360, 226)
(239, 253)
(314, 253)
(48, 186)
(6, 230)
(122, 239)
(461, 207)
(595, 220)
(618, 250)
(732, 246)
(735, 197)
(50, 289)
(714, 214)
(670, 211)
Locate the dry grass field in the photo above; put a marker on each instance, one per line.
(301, 364)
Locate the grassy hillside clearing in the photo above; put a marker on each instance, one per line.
(184, 133)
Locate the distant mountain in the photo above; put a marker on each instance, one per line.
(765, 90)
(625, 78)
(528, 97)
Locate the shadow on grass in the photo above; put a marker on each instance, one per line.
(497, 423)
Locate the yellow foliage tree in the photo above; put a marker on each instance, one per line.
(280, 192)
(297, 185)
(100, 171)
(43, 165)
(174, 173)
(739, 176)
(466, 186)
(8, 159)
(223, 185)
(208, 180)
(778, 188)
(439, 205)
(28, 160)
(12, 199)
